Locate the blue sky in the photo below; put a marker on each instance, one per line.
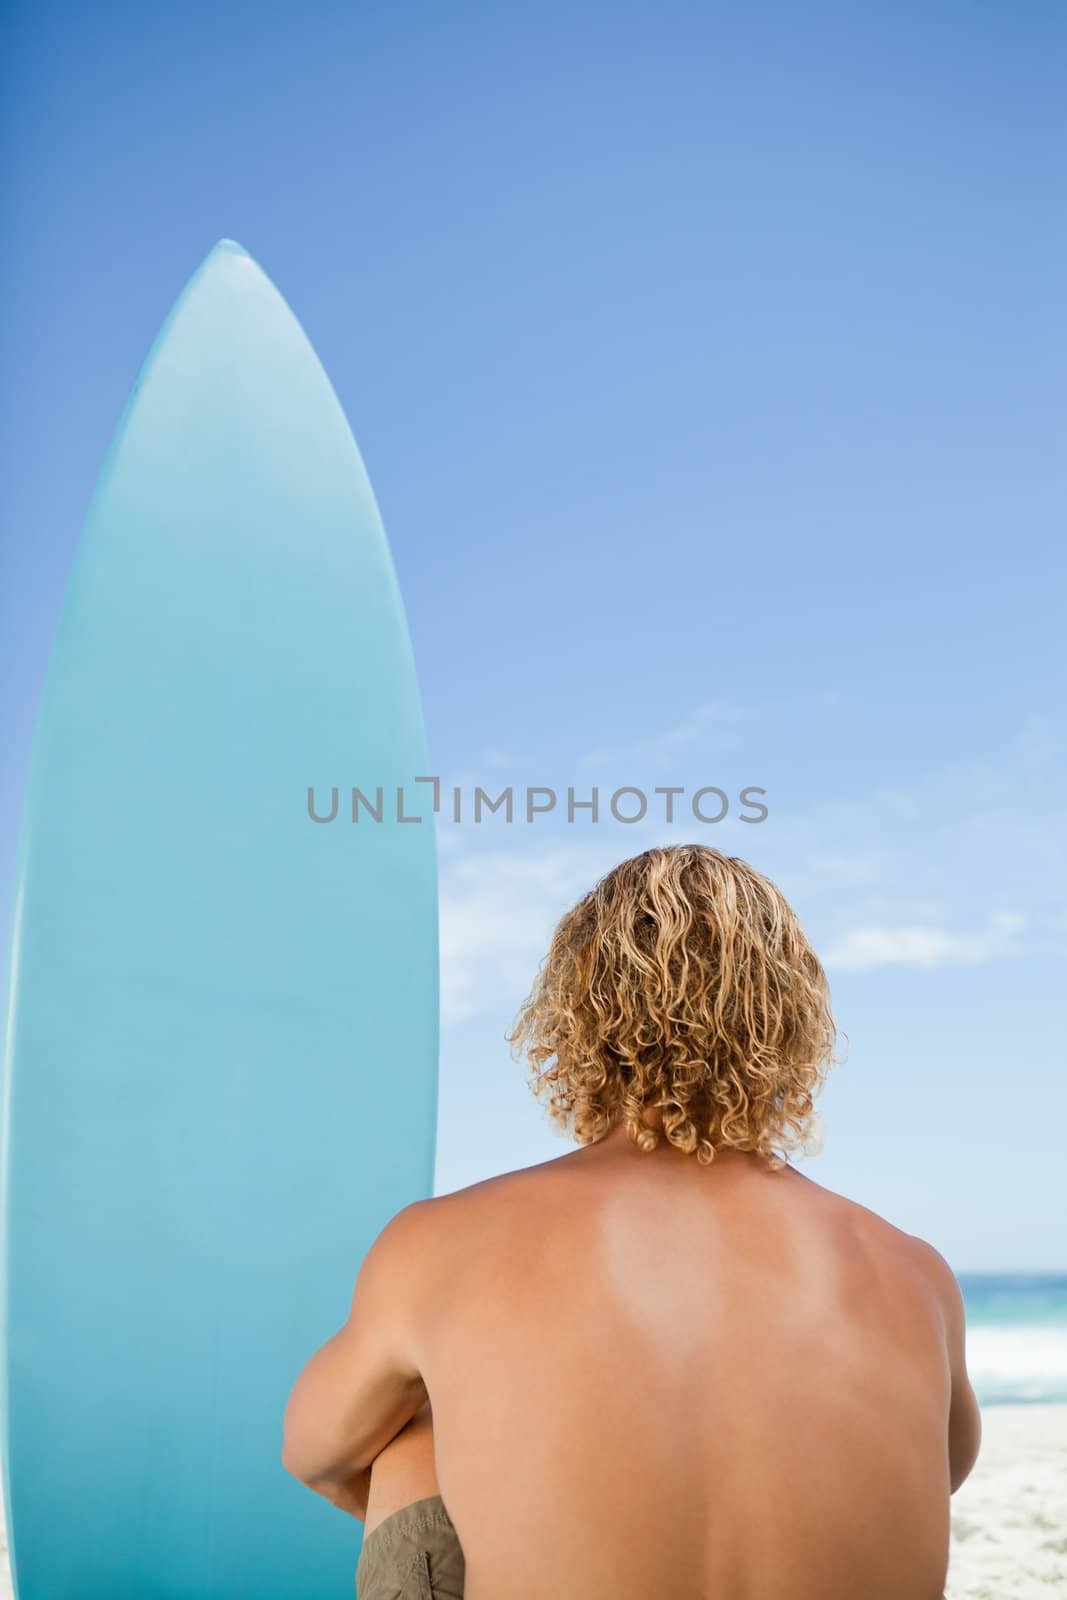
(708, 363)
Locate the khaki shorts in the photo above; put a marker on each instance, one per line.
(412, 1555)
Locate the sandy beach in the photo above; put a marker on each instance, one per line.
(1009, 1521)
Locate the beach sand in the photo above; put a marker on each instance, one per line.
(1009, 1521)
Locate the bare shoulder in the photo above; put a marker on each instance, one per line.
(875, 1229)
(924, 1266)
(941, 1280)
(431, 1230)
(913, 1255)
(503, 1187)
(401, 1269)
(398, 1249)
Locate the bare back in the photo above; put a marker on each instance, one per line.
(652, 1377)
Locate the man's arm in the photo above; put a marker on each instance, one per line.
(362, 1386)
(965, 1418)
(351, 1497)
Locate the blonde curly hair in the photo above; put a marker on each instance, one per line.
(682, 981)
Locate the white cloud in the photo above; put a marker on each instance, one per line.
(497, 913)
(863, 949)
(900, 877)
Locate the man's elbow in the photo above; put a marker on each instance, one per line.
(290, 1455)
(960, 1471)
(319, 1471)
(293, 1465)
(299, 1463)
(965, 1440)
(313, 1478)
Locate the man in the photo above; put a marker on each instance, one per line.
(666, 1363)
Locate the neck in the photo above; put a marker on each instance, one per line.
(618, 1141)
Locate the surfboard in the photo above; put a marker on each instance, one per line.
(221, 1045)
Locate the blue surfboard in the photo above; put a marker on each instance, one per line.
(221, 1046)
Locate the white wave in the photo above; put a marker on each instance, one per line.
(1021, 1363)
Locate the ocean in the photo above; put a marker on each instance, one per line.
(1016, 1337)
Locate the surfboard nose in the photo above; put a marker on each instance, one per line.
(227, 247)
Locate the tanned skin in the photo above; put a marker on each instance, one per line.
(648, 1377)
